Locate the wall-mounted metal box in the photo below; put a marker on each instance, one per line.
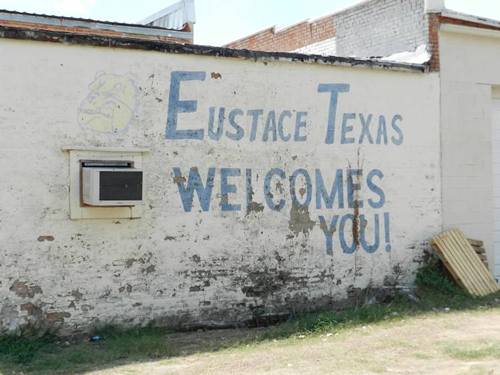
(106, 183)
(112, 187)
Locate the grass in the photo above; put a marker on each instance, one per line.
(52, 355)
(473, 351)
(435, 291)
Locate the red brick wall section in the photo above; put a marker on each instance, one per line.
(434, 22)
(289, 39)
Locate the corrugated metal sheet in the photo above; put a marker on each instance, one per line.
(174, 17)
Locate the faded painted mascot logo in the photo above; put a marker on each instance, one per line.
(110, 105)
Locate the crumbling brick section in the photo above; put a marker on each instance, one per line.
(25, 290)
(289, 39)
(434, 21)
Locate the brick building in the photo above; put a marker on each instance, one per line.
(173, 24)
(372, 28)
(464, 50)
(245, 179)
(274, 183)
(304, 36)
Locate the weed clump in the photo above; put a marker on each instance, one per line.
(22, 350)
(434, 278)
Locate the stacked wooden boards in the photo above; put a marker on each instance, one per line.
(464, 264)
(478, 247)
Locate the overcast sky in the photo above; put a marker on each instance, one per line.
(220, 21)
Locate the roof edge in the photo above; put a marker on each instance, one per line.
(480, 21)
(91, 24)
(470, 30)
(192, 49)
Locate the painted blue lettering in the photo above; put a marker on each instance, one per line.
(238, 135)
(281, 126)
(270, 127)
(194, 184)
(369, 248)
(346, 248)
(226, 188)
(336, 191)
(353, 188)
(375, 188)
(300, 124)
(365, 128)
(346, 128)
(307, 191)
(334, 90)
(267, 189)
(216, 134)
(176, 106)
(382, 131)
(249, 188)
(255, 114)
(399, 140)
(329, 230)
(387, 229)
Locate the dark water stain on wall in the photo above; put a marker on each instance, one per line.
(265, 282)
(300, 220)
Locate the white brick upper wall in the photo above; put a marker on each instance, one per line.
(381, 28)
(326, 47)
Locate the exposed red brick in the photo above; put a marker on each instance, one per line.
(289, 39)
(434, 22)
(22, 289)
(57, 316)
(32, 309)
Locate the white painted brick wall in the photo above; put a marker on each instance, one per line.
(215, 267)
(326, 47)
(381, 28)
(469, 76)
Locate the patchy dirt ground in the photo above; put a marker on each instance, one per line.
(453, 343)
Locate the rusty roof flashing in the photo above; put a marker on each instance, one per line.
(46, 21)
(478, 21)
(129, 41)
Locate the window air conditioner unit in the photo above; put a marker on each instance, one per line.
(112, 187)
